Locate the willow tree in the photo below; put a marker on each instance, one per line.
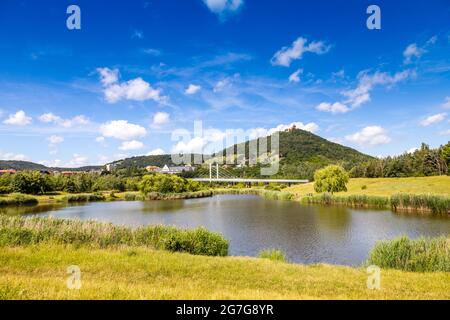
(331, 179)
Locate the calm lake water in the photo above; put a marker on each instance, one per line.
(308, 234)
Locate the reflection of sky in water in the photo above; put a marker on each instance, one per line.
(307, 234)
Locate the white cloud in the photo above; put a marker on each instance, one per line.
(225, 83)
(334, 108)
(445, 133)
(137, 34)
(100, 139)
(412, 150)
(414, 52)
(108, 76)
(367, 82)
(223, 7)
(66, 123)
(12, 156)
(135, 89)
(286, 55)
(372, 135)
(156, 152)
(77, 161)
(160, 118)
(433, 119)
(54, 140)
(192, 89)
(295, 76)
(131, 145)
(122, 130)
(194, 145)
(18, 119)
(446, 104)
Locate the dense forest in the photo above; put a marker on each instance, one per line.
(422, 162)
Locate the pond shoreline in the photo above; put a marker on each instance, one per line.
(413, 203)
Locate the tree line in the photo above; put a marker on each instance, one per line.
(423, 162)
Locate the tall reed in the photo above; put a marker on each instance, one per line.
(421, 255)
(20, 231)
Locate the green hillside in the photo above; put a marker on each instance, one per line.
(302, 153)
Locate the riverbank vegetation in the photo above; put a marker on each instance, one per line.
(421, 255)
(40, 272)
(20, 231)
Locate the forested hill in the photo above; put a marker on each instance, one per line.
(303, 152)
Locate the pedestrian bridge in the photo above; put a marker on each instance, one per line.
(220, 175)
(243, 180)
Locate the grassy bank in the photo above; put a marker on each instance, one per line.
(19, 231)
(385, 186)
(421, 255)
(18, 200)
(40, 272)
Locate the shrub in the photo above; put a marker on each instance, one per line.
(20, 231)
(272, 254)
(85, 197)
(331, 179)
(5, 190)
(164, 183)
(421, 255)
(18, 199)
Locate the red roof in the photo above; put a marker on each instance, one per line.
(8, 171)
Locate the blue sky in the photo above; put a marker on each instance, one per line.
(139, 72)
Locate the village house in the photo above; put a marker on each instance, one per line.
(8, 171)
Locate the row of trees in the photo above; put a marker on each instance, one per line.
(34, 182)
(423, 162)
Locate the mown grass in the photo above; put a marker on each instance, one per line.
(385, 186)
(421, 255)
(20, 231)
(40, 272)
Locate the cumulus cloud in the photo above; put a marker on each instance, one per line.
(433, 119)
(12, 156)
(372, 135)
(224, 7)
(160, 118)
(19, 118)
(77, 161)
(192, 89)
(367, 82)
(295, 77)
(334, 108)
(195, 145)
(156, 152)
(131, 145)
(122, 130)
(135, 89)
(286, 55)
(100, 139)
(66, 123)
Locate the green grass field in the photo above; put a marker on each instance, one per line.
(385, 186)
(40, 272)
